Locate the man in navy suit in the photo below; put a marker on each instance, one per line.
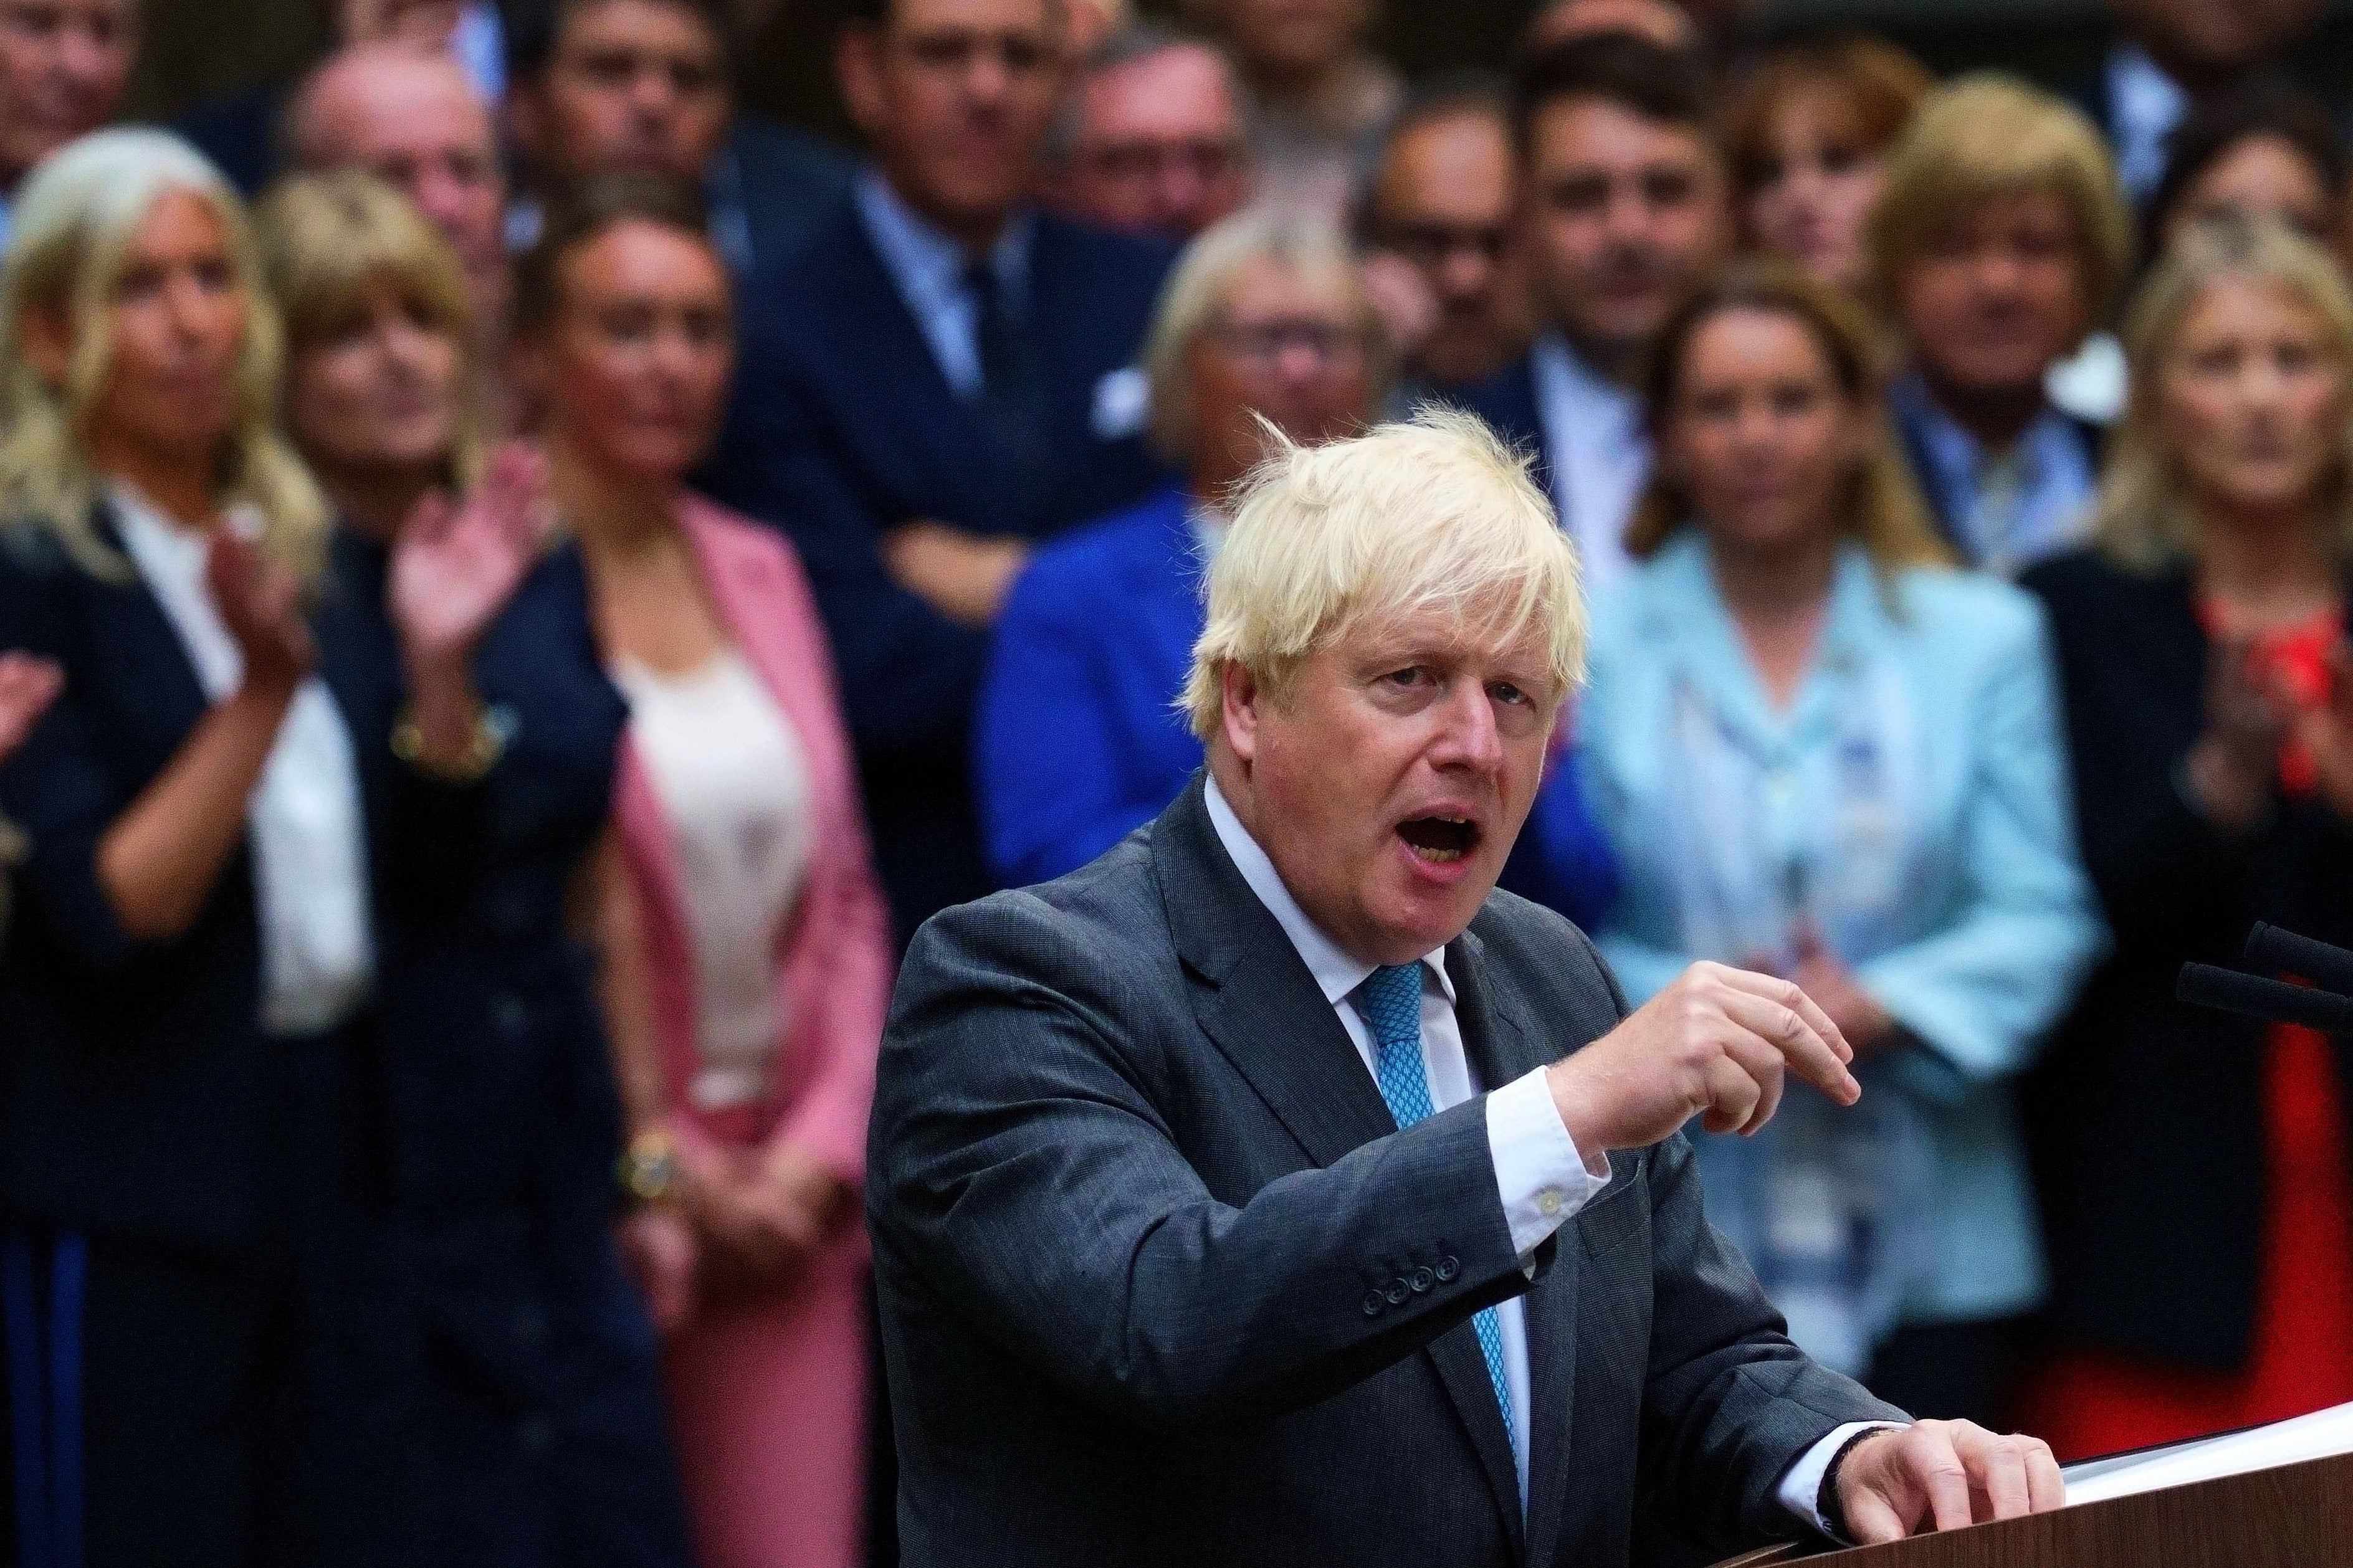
(938, 377)
(1626, 207)
(644, 84)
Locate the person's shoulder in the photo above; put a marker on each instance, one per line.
(1101, 259)
(1506, 399)
(799, 290)
(725, 533)
(2085, 584)
(1109, 548)
(1947, 604)
(767, 149)
(1091, 933)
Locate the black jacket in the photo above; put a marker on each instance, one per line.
(1162, 1283)
(2145, 1120)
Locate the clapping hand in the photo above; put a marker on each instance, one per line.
(2327, 732)
(457, 563)
(260, 603)
(1945, 1474)
(28, 687)
(2232, 766)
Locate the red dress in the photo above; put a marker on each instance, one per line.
(2300, 1353)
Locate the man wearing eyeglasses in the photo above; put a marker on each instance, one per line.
(1152, 138)
(935, 380)
(1436, 216)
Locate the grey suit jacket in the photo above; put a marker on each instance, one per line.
(1162, 1283)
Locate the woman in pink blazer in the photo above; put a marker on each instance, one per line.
(745, 948)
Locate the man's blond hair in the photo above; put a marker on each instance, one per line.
(1433, 513)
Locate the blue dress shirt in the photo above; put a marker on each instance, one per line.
(2004, 511)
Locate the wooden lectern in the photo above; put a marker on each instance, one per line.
(2297, 1516)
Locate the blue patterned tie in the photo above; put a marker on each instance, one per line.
(1390, 1000)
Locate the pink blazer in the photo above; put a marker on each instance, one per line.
(834, 962)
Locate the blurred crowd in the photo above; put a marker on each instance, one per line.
(523, 582)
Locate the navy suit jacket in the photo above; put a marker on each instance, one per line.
(135, 1075)
(789, 180)
(1909, 431)
(1162, 1283)
(1507, 402)
(494, 1331)
(843, 428)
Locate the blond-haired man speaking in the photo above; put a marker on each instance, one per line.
(1275, 1191)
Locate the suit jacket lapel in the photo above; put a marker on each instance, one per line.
(1261, 1008)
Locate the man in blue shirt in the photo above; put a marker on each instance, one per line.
(939, 376)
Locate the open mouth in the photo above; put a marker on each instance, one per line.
(1440, 841)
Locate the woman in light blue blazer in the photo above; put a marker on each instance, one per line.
(1820, 751)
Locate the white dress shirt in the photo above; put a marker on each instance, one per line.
(307, 828)
(1598, 453)
(1540, 1177)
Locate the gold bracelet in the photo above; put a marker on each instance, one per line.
(483, 749)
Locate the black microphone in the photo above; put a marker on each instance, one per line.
(2274, 1001)
(2330, 968)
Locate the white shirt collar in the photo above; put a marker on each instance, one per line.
(1336, 972)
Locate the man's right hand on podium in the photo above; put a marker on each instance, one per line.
(1951, 1474)
(1718, 1044)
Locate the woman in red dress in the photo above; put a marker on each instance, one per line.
(2194, 1167)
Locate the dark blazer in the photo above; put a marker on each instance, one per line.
(240, 133)
(1162, 1283)
(843, 426)
(133, 1088)
(784, 179)
(504, 1340)
(2146, 1118)
(1507, 401)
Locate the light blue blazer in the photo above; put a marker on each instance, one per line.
(1993, 924)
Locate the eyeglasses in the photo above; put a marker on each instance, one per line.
(1261, 346)
(1205, 160)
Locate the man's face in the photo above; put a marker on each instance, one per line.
(63, 67)
(956, 96)
(415, 121)
(1625, 217)
(1389, 778)
(628, 84)
(2218, 38)
(1997, 294)
(1160, 147)
(1444, 200)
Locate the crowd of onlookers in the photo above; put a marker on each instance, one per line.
(521, 582)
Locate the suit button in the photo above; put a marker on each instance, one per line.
(1448, 1267)
(1374, 1303)
(1399, 1289)
(1422, 1280)
(509, 1013)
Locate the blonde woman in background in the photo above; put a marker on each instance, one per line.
(510, 1367)
(188, 965)
(2209, 711)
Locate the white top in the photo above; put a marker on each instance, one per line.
(1541, 1177)
(735, 790)
(305, 821)
(1598, 453)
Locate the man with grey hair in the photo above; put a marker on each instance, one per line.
(1272, 1190)
(1153, 138)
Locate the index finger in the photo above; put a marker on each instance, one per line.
(1785, 1028)
(1792, 996)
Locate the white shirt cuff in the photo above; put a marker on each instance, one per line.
(1543, 1179)
(1802, 1489)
